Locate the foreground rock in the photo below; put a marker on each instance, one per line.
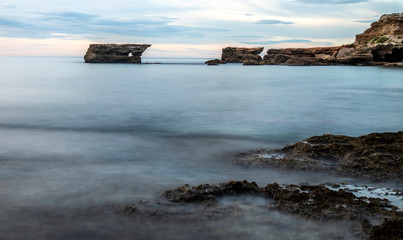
(115, 53)
(376, 156)
(313, 202)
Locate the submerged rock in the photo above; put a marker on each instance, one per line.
(376, 156)
(115, 53)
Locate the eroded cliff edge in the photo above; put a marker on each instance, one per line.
(381, 44)
(115, 53)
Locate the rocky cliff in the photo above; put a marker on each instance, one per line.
(239, 55)
(389, 25)
(115, 53)
(381, 44)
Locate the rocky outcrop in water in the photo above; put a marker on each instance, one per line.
(240, 55)
(376, 156)
(115, 53)
(381, 44)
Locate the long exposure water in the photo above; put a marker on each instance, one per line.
(76, 137)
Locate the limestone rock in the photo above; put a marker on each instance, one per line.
(115, 53)
(240, 55)
(388, 24)
(302, 56)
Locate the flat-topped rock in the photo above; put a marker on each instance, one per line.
(115, 53)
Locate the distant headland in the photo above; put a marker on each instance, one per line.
(381, 44)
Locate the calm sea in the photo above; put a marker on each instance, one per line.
(75, 135)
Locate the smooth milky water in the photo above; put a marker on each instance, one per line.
(77, 136)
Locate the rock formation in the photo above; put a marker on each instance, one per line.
(115, 53)
(240, 55)
(388, 25)
(381, 44)
(376, 156)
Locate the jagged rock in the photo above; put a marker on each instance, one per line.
(115, 53)
(240, 55)
(388, 24)
(376, 156)
(314, 202)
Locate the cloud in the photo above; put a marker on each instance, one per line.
(68, 22)
(332, 1)
(272, 22)
(7, 22)
(66, 15)
(266, 42)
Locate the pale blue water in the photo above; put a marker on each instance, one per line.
(75, 135)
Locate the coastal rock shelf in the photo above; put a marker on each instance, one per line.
(115, 53)
(368, 217)
(376, 156)
(381, 44)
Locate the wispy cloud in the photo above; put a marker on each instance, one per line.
(272, 22)
(45, 24)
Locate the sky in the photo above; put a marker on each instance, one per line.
(182, 28)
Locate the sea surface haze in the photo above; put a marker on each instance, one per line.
(78, 141)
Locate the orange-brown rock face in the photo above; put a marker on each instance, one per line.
(388, 24)
(240, 55)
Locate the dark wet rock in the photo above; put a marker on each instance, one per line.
(207, 193)
(115, 53)
(391, 229)
(240, 55)
(213, 62)
(376, 156)
(314, 202)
